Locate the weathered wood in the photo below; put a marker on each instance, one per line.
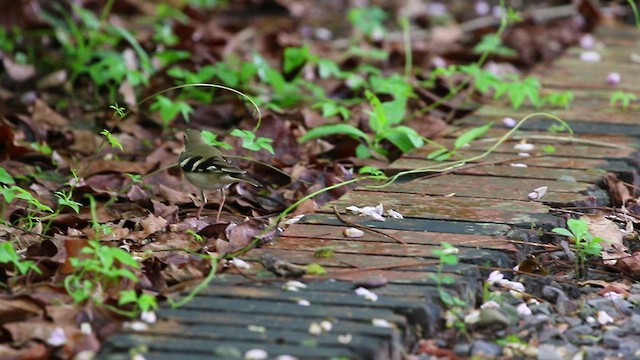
(530, 172)
(409, 237)
(438, 226)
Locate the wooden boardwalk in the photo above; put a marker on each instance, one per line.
(481, 209)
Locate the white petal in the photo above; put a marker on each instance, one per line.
(353, 233)
(542, 191)
(303, 302)
(381, 323)
(491, 304)
(394, 214)
(590, 56)
(241, 264)
(367, 294)
(376, 217)
(57, 337)
(345, 339)
(509, 122)
(326, 325)
(525, 147)
(472, 318)
(315, 329)
(286, 357)
(604, 318)
(148, 316)
(256, 354)
(294, 219)
(495, 276)
(520, 165)
(523, 310)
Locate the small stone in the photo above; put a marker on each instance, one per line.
(595, 353)
(485, 349)
(536, 322)
(610, 340)
(462, 349)
(549, 352)
(566, 306)
(582, 335)
(493, 317)
(552, 294)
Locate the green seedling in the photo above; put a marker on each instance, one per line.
(369, 20)
(448, 256)
(467, 137)
(492, 44)
(586, 244)
(315, 269)
(8, 255)
(325, 252)
(195, 235)
(113, 141)
(624, 98)
(560, 99)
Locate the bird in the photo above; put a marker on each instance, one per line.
(207, 168)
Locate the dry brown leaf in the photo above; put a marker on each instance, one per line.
(618, 191)
(612, 247)
(45, 116)
(19, 309)
(18, 72)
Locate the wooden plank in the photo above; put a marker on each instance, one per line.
(446, 208)
(264, 307)
(543, 161)
(359, 262)
(551, 198)
(181, 347)
(438, 226)
(496, 183)
(410, 237)
(270, 321)
(575, 116)
(566, 149)
(421, 202)
(592, 175)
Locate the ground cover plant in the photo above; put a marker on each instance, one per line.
(98, 222)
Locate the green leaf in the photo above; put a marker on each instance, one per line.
(125, 258)
(113, 141)
(6, 178)
(334, 129)
(315, 269)
(327, 68)
(295, 57)
(471, 135)
(404, 137)
(127, 297)
(324, 252)
(147, 302)
(562, 231)
(363, 151)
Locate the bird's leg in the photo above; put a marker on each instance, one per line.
(222, 195)
(204, 202)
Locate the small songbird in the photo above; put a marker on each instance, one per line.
(207, 169)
